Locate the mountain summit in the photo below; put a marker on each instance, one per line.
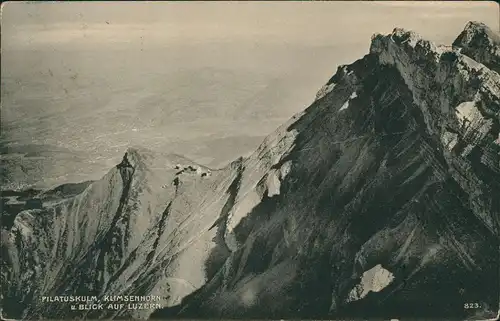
(480, 43)
(379, 200)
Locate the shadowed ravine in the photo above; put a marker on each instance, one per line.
(379, 200)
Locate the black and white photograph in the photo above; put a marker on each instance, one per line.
(250, 160)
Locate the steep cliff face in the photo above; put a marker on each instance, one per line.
(460, 104)
(378, 200)
(396, 166)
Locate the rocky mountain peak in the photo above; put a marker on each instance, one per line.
(440, 77)
(459, 97)
(480, 43)
(478, 31)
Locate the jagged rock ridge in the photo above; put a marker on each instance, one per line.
(481, 44)
(392, 172)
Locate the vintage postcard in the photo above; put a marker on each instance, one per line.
(333, 160)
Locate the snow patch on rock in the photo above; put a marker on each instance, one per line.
(466, 110)
(346, 104)
(449, 139)
(373, 280)
(273, 184)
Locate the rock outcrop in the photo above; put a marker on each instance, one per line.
(123, 235)
(481, 44)
(378, 200)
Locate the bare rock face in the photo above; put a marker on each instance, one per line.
(481, 44)
(379, 200)
(459, 100)
(396, 164)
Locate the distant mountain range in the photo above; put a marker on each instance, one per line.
(380, 200)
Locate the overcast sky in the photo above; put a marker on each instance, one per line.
(167, 23)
